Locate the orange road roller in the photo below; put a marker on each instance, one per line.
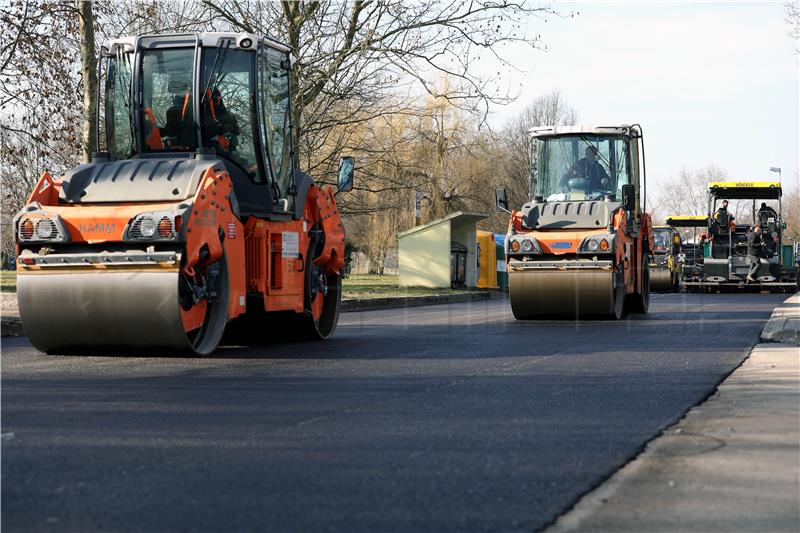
(192, 213)
(580, 247)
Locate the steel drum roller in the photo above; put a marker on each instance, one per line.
(561, 294)
(660, 280)
(107, 309)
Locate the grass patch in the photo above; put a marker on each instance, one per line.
(374, 286)
(8, 280)
(362, 286)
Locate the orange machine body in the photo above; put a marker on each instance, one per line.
(628, 247)
(266, 257)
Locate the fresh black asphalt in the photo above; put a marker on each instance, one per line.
(443, 418)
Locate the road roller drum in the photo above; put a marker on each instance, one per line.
(132, 310)
(565, 295)
(661, 279)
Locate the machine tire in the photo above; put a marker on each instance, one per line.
(205, 340)
(639, 302)
(619, 296)
(323, 328)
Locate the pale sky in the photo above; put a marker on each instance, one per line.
(710, 83)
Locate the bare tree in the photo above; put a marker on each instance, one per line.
(89, 77)
(792, 17)
(687, 193)
(549, 109)
(374, 51)
(791, 211)
(40, 119)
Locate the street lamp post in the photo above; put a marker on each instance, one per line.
(778, 170)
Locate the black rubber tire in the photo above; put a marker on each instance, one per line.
(323, 328)
(639, 302)
(619, 296)
(206, 340)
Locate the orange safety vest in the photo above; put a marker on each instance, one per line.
(153, 141)
(224, 143)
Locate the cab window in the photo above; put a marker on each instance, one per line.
(167, 116)
(119, 133)
(275, 126)
(228, 110)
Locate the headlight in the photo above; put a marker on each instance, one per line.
(44, 229)
(147, 227)
(527, 245)
(597, 244)
(41, 228)
(155, 226)
(514, 246)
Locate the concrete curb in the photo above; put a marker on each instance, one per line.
(784, 324)
(374, 304)
(732, 463)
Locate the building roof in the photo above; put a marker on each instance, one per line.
(458, 216)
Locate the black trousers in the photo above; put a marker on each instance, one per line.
(754, 264)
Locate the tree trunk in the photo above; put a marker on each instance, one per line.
(89, 74)
(294, 22)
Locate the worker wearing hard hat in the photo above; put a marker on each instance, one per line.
(754, 245)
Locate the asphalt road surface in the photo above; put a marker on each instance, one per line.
(442, 418)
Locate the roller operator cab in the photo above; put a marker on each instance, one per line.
(690, 255)
(665, 262)
(192, 212)
(726, 263)
(580, 246)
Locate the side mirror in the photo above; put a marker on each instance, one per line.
(628, 197)
(501, 199)
(346, 171)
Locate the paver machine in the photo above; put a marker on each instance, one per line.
(725, 264)
(665, 264)
(690, 256)
(191, 214)
(580, 246)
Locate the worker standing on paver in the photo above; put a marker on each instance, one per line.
(754, 244)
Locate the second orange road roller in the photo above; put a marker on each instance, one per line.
(192, 213)
(580, 247)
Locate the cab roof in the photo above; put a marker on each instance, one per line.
(745, 190)
(206, 39)
(687, 221)
(553, 131)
